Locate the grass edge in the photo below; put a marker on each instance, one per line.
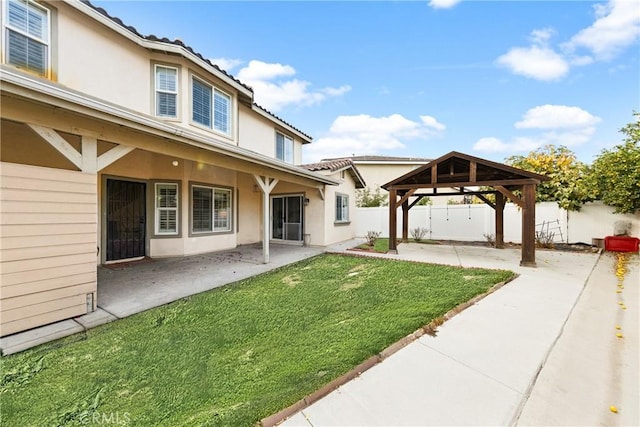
(428, 329)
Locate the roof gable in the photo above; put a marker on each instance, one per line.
(335, 166)
(457, 169)
(213, 69)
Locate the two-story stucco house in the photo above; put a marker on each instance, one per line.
(117, 146)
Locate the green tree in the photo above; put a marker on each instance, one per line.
(615, 174)
(568, 185)
(365, 198)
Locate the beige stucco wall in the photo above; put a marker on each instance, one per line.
(97, 61)
(259, 134)
(151, 167)
(322, 213)
(93, 59)
(376, 175)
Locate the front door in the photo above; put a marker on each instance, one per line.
(126, 218)
(286, 218)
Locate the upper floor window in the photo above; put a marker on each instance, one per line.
(27, 36)
(284, 148)
(211, 107)
(166, 91)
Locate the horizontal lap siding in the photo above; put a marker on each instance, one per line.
(48, 240)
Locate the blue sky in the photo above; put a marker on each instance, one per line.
(422, 78)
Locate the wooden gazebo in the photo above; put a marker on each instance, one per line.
(461, 174)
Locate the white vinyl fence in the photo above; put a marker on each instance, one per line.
(472, 222)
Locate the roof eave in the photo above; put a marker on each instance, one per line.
(158, 45)
(306, 139)
(20, 84)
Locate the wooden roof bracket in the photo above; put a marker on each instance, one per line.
(515, 199)
(405, 197)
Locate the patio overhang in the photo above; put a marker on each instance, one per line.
(25, 97)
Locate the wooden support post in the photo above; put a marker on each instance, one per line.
(499, 213)
(89, 154)
(529, 226)
(393, 245)
(405, 221)
(266, 185)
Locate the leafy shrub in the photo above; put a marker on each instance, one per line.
(418, 233)
(371, 237)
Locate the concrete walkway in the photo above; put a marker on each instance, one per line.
(482, 365)
(590, 369)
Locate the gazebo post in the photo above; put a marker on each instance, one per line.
(529, 226)
(405, 221)
(499, 213)
(393, 246)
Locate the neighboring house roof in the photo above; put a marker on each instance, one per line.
(383, 159)
(336, 166)
(463, 170)
(248, 91)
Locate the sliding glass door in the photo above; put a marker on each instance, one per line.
(286, 218)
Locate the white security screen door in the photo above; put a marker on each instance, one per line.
(286, 218)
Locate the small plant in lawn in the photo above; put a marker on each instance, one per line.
(418, 233)
(544, 239)
(491, 239)
(371, 237)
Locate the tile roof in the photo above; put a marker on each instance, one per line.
(154, 38)
(286, 123)
(329, 165)
(180, 43)
(382, 159)
(336, 165)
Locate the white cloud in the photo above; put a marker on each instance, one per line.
(490, 144)
(542, 36)
(275, 88)
(226, 64)
(431, 122)
(258, 70)
(443, 4)
(541, 63)
(617, 26)
(363, 134)
(495, 145)
(556, 117)
(336, 91)
(551, 124)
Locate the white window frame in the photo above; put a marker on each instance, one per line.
(212, 117)
(6, 27)
(158, 209)
(229, 210)
(344, 207)
(287, 156)
(157, 90)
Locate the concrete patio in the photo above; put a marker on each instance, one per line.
(129, 288)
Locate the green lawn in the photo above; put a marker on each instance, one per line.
(234, 355)
(381, 245)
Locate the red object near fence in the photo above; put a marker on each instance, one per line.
(621, 243)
